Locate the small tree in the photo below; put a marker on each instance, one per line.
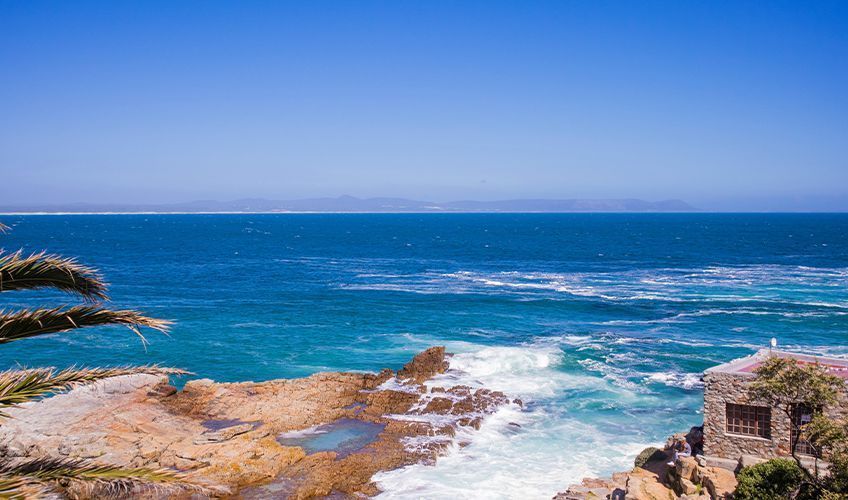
(31, 477)
(785, 384)
(831, 437)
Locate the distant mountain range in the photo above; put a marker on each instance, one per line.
(369, 205)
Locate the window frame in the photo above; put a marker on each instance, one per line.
(748, 420)
(804, 446)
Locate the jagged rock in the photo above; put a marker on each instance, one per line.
(645, 485)
(687, 487)
(690, 478)
(687, 468)
(649, 454)
(683, 477)
(425, 365)
(593, 489)
(225, 433)
(439, 405)
(720, 483)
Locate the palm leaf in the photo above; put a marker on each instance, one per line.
(3, 229)
(16, 325)
(20, 488)
(20, 386)
(43, 270)
(100, 480)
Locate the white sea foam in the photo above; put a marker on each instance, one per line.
(433, 419)
(615, 375)
(687, 381)
(420, 444)
(529, 452)
(523, 371)
(393, 384)
(515, 454)
(775, 287)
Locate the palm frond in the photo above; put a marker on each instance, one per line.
(20, 386)
(100, 480)
(16, 325)
(3, 229)
(41, 270)
(21, 488)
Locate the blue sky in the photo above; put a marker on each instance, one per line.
(728, 105)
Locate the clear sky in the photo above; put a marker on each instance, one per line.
(727, 105)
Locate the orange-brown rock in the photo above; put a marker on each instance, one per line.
(656, 480)
(227, 434)
(425, 365)
(720, 483)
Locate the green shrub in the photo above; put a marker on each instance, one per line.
(772, 480)
(649, 454)
(837, 480)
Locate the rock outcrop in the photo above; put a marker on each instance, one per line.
(653, 478)
(227, 434)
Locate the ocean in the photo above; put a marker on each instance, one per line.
(601, 323)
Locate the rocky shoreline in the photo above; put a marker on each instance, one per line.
(652, 478)
(232, 436)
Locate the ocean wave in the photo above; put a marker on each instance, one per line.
(516, 370)
(688, 381)
(255, 324)
(758, 312)
(770, 285)
(616, 375)
(512, 456)
(422, 444)
(513, 452)
(530, 371)
(689, 317)
(393, 384)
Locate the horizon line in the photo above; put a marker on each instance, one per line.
(450, 212)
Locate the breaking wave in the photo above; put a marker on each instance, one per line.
(527, 452)
(770, 286)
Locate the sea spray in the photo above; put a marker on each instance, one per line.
(518, 452)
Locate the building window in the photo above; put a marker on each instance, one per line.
(801, 416)
(749, 420)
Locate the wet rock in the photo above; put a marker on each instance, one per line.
(425, 365)
(439, 405)
(225, 433)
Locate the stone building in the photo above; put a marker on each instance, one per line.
(735, 427)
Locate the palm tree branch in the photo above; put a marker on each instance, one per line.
(16, 325)
(100, 479)
(41, 270)
(20, 386)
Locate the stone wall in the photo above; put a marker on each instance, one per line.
(722, 388)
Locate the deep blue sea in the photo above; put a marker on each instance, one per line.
(602, 323)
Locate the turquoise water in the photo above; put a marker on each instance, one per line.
(602, 323)
(344, 436)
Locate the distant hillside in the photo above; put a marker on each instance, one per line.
(370, 205)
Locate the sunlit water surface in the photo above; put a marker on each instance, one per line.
(601, 323)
